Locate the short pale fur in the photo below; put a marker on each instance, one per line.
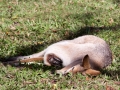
(73, 52)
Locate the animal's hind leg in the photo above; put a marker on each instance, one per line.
(23, 59)
(29, 61)
(91, 72)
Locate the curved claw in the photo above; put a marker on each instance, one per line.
(64, 72)
(59, 72)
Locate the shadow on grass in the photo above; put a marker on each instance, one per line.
(91, 30)
(24, 50)
(41, 66)
(27, 50)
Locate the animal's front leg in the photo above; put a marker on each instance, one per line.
(73, 69)
(63, 70)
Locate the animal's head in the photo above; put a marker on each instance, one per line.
(53, 60)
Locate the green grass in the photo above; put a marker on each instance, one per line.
(29, 26)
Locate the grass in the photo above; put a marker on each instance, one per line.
(29, 26)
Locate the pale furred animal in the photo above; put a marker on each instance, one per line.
(87, 54)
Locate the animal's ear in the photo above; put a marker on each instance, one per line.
(85, 63)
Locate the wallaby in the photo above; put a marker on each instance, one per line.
(87, 54)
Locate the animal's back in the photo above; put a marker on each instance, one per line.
(88, 39)
(101, 47)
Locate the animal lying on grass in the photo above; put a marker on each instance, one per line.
(86, 54)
